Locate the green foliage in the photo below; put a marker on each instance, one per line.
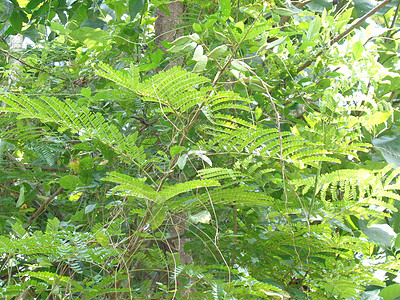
(240, 162)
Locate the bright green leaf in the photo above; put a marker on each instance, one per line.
(75, 196)
(240, 25)
(225, 7)
(182, 161)
(313, 30)
(158, 218)
(198, 53)
(357, 50)
(102, 238)
(284, 12)
(52, 226)
(21, 198)
(197, 27)
(379, 117)
(218, 51)
(344, 18)
(390, 292)
(86, 92)
(396, 243)
(258, 113)
(203, 217)
(175, 150)
(201, 64)
(271, 45)
(70, 182)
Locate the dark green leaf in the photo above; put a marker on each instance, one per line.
(320, 5)
(32, 4)
(135, 6)
(96, 23)
(364, 6)
(17, 18)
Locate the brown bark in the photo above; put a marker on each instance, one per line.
(167, 27)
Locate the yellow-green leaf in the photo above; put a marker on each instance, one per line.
(379, 117)
(102, 238)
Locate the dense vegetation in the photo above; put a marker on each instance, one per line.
(253, 157)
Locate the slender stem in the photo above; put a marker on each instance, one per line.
(396, 13)
(235, 231)
(353, 26)
(43, 206)
(315, 189)
(26, 64)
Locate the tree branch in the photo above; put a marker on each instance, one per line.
(46, 168)
(353, 26)
(26, 64)
(43, 206)
(284, 19)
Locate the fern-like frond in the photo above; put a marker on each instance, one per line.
(129, 186)
(354, 190)
(176, 89)
(179, 188)
(220, 173)
(69, 116)
(267, 143)
(127, 79)
(52, 279)
(228, 100)
(233, 195)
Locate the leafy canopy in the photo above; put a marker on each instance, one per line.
(253, 157)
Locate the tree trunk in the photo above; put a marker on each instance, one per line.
(167, 27)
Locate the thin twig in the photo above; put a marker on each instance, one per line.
(28, 65)
(284, 19)
(43, 206)
(353, 26)
(46, 168)
(15, 161)
(395, 16)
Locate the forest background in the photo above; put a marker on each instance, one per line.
(238, 149)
